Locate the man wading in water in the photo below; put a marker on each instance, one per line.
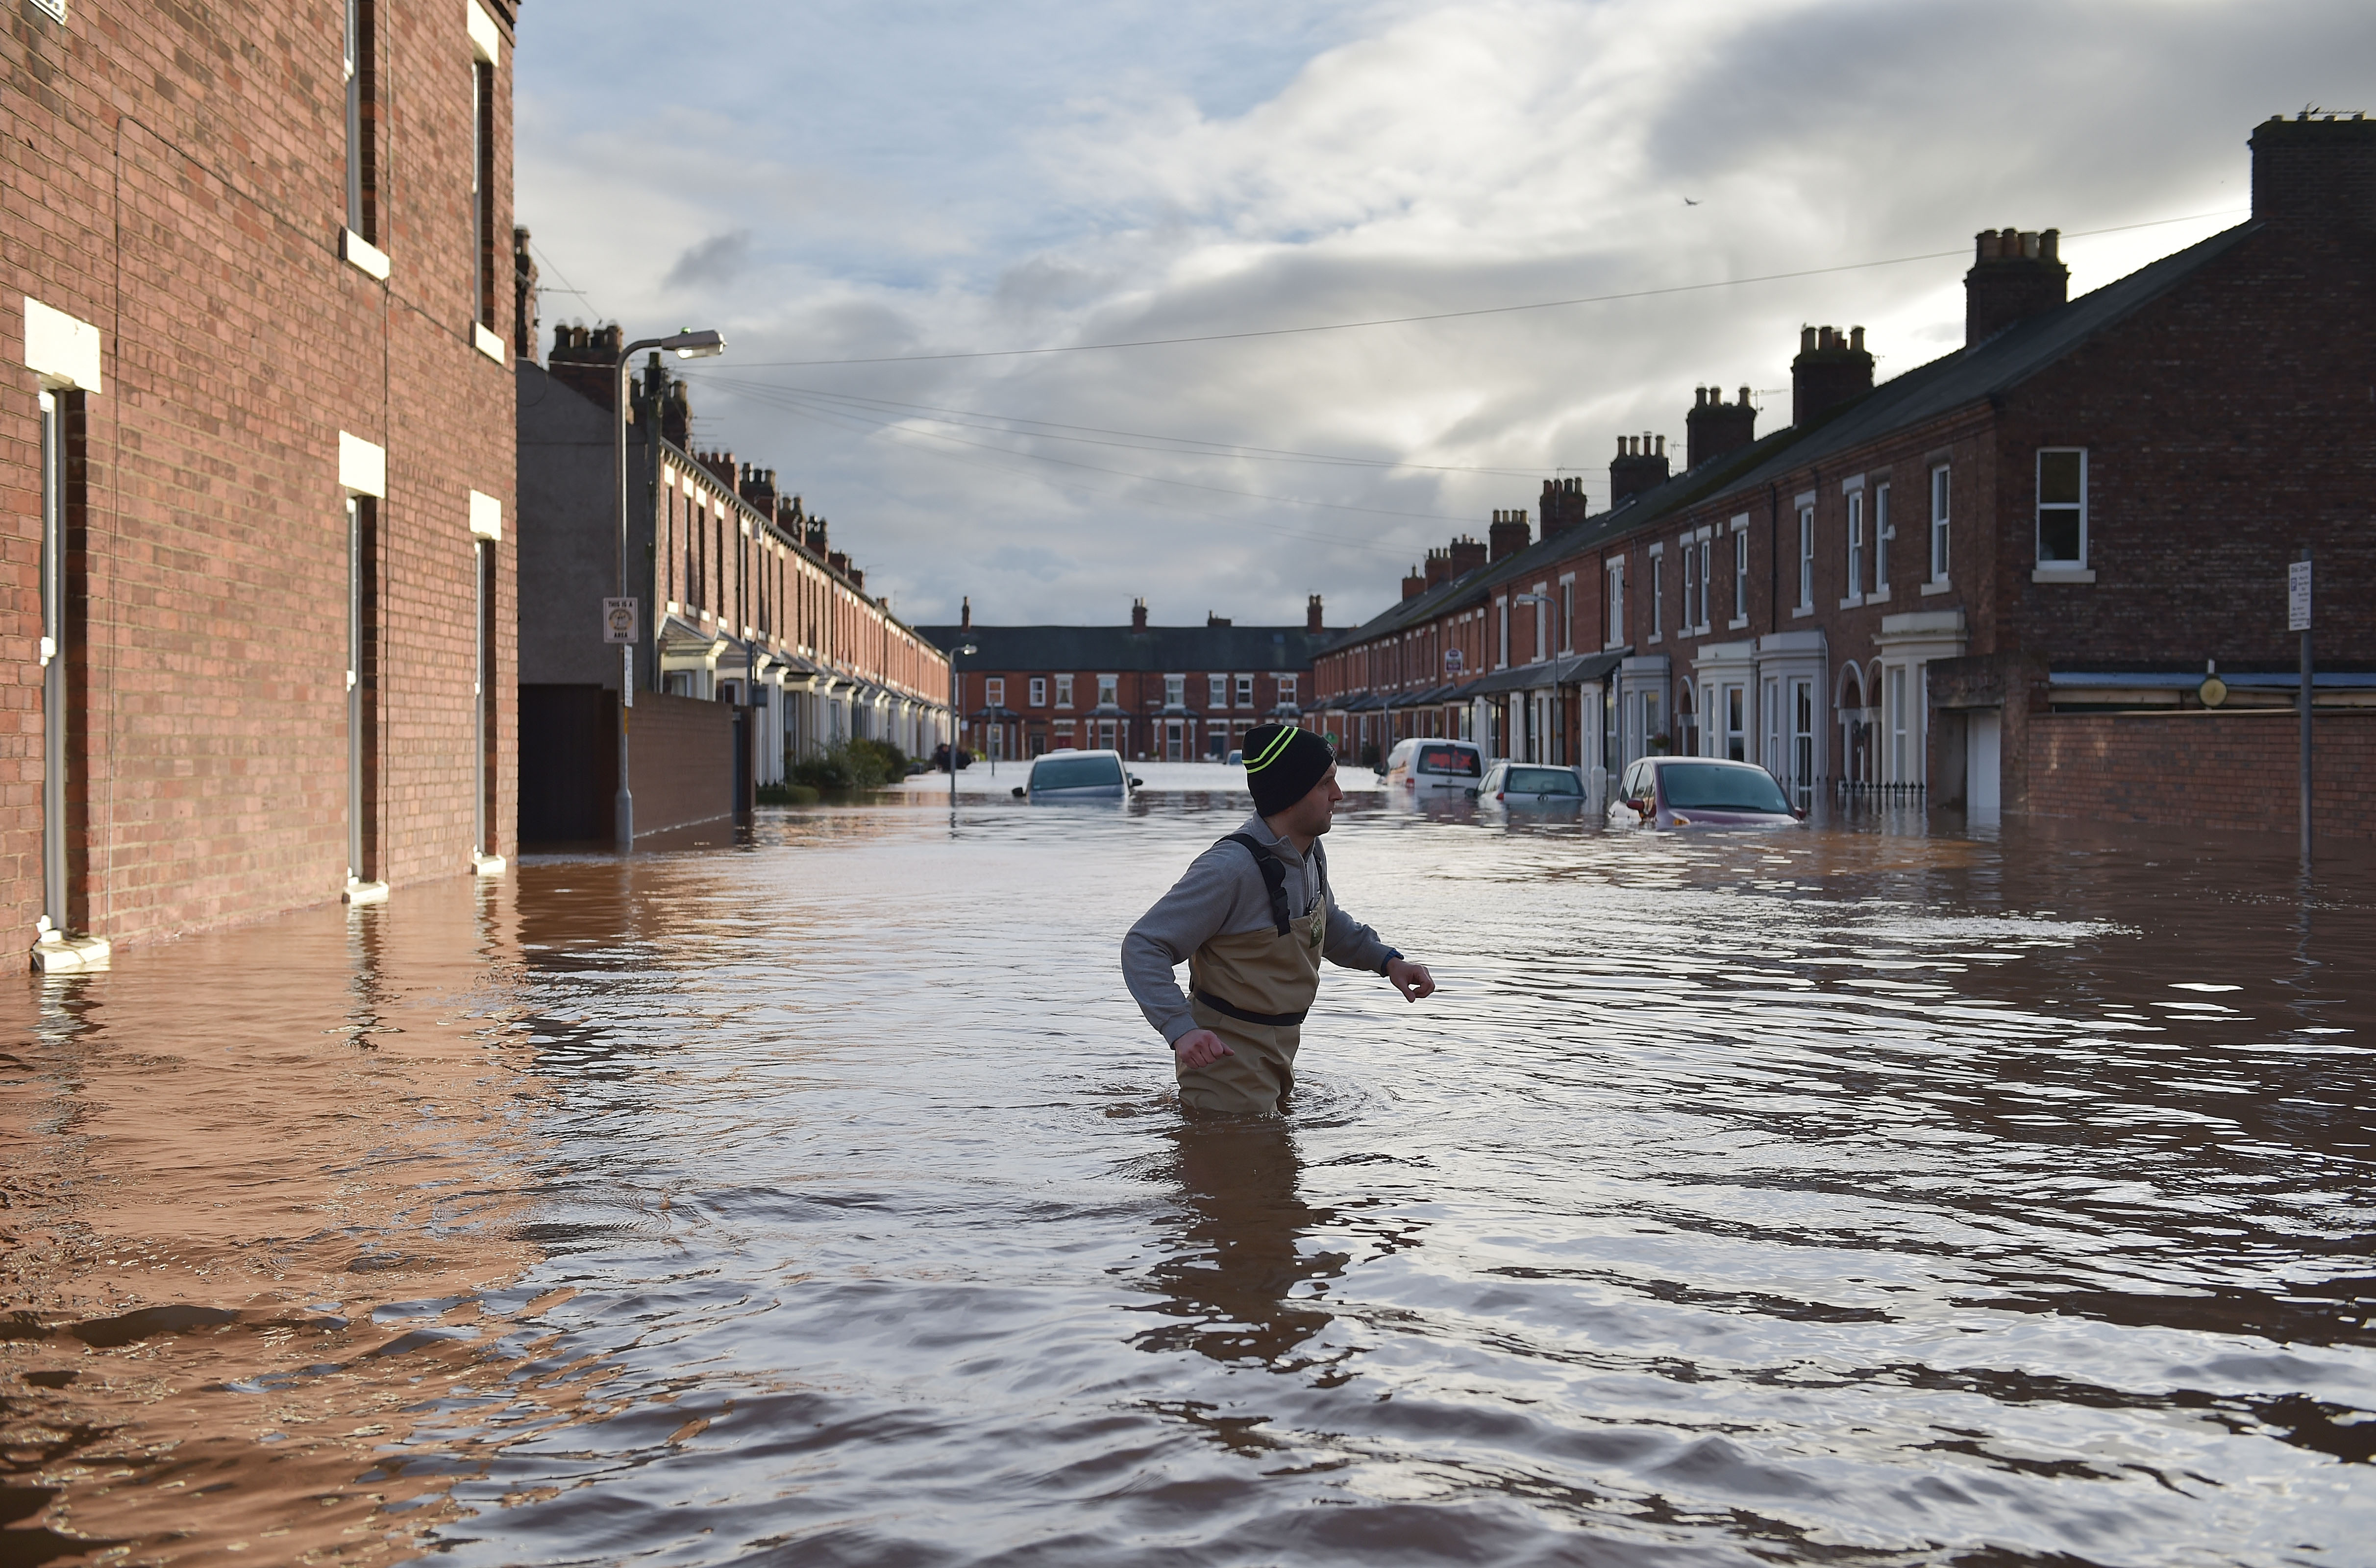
(1252, 918)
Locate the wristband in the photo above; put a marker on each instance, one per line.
(1392, 954)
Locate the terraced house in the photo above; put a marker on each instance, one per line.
(1997, 581)
(256, 460)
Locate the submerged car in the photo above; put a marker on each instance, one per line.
(1418, 766)
(1078, 776)
(1696, 791)
(1523, 786)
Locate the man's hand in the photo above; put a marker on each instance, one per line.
(1202, 1047)
(1411, 979)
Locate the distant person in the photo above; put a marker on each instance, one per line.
(1252, 918)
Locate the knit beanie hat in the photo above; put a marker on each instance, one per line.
(1282, 765)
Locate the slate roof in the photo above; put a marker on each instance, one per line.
(1967, 375)
(1115, 649)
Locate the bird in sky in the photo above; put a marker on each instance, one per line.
(1688, 202)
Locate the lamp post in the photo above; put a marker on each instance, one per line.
(688, 345)
(956, 704)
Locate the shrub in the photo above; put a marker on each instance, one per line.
(788, 795)
(853, 765)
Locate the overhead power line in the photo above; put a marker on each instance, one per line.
(1439, 315)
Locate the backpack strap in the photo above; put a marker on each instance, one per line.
(1274, 875)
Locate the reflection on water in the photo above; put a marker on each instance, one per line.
(1838, 1193)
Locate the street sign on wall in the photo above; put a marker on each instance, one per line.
(621, 621)
(2296, 596)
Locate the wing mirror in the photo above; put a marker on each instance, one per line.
(1018, 791)
(1136, 782)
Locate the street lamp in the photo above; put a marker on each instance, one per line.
(688, 345)
(956, 703)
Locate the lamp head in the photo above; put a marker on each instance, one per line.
(691, 345)
(968, 648)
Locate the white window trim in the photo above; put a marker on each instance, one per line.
(486, 39)
(1853, 543)
(1740, 532)
(1805, 508)
(1567, 612)
(486, 517)
(62, 351)
(1934, 519)
(2083, 569)
(1615, 631)
(1884, 529)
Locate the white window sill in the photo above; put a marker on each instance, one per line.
(1852, 601)
(1878, 595)
(673, 608)
(1941, 587)
(361, 255)
(487, 342)
(2062, 574)
(1737, 622)
(1802, 613)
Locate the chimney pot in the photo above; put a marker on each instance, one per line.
(1828, 375)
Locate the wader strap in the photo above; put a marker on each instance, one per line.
(1274, 1020)
(1274, 875)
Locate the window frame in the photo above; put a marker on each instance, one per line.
(1217, 691)
(1039, 691)
(2039, 506)
(1244, 685)
(1109, 691)
(1657, 594)
(1806, 605)
(1615, 631)
(1883, 530)
(1175, 691)
(1853, 502)
(1287, 685)
(993, 691)
(1942, 523)
(1064, 691)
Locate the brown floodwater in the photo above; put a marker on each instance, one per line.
(1846, 1195)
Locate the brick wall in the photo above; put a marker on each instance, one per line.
(174, 176)
(2203, 769)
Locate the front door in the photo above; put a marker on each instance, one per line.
(1171, 728)
(1982, 749)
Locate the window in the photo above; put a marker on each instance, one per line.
(1064, 691)
(1217, 691)
(1939, 524)
(1616, 603)
(1658, 597)
(1286, 689)
(482, 189)
(1856, 548)
(1039, 691)
(1245, 691)
(1736, 727)
(994, 691)
(1504, 606)
(1567, 614)
(1883, 532)
(1806, 559)
(2063, 506)
(1739, 573)
(1175, 691)
(1542, 621)
(358, 38)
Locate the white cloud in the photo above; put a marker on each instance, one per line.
(1036, 174)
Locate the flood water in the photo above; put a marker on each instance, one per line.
(1846, 1195)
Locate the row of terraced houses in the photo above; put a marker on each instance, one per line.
(1999, 581)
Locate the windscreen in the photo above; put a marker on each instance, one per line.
(1454, 760)
(1713, 787)
(1542, 781)
(1075, 773)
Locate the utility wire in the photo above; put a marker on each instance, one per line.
(962, 418)
(1439, 315)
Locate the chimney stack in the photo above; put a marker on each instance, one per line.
(587, 362)
(1563, 505)
(1312, 616)
(1640, 465)
(1717, 427)
(1416, 582)
(1213, 620)
(1509, 534)
(818, 537)
(2315, 173)
(758, 487)
(2015, 276)
(1138, 614)
(965, 613)
(1830, 370)
(1465, 556)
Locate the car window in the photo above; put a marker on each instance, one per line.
(1075, 773)
(1713, 786)
(1457, 761)
(1541, 782)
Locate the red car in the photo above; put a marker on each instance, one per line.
(1700, 791)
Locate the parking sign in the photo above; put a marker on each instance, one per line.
(620, 620)
(2297, 596)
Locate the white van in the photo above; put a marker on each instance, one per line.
(1422, 765)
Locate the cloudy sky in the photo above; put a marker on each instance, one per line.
(872, 197)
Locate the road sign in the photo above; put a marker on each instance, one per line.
(621, 624)
(2296, 596)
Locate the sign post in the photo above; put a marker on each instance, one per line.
(2298, 619)
(622, 622)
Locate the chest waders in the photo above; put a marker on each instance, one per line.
(1253, 989)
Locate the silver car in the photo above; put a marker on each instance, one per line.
(1678, 791)
(1078, 776)
(1523, 786)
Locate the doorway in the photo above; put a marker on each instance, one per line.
(1983, 764)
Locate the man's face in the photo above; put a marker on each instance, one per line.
(1313, 814)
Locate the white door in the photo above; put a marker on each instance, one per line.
(1982, 767)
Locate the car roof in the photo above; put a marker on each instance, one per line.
(1711, 761)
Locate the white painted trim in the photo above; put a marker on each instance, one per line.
(486, 39)
(62, 350)
(361, 255)
(487, 342)
(1850, 484)
(486, 516)
(363, 467)
(2062, 574)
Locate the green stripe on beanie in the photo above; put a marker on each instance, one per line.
(1282, 765)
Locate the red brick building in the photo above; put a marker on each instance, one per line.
(2081, 510)
(255, 458)
(1177, 694)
